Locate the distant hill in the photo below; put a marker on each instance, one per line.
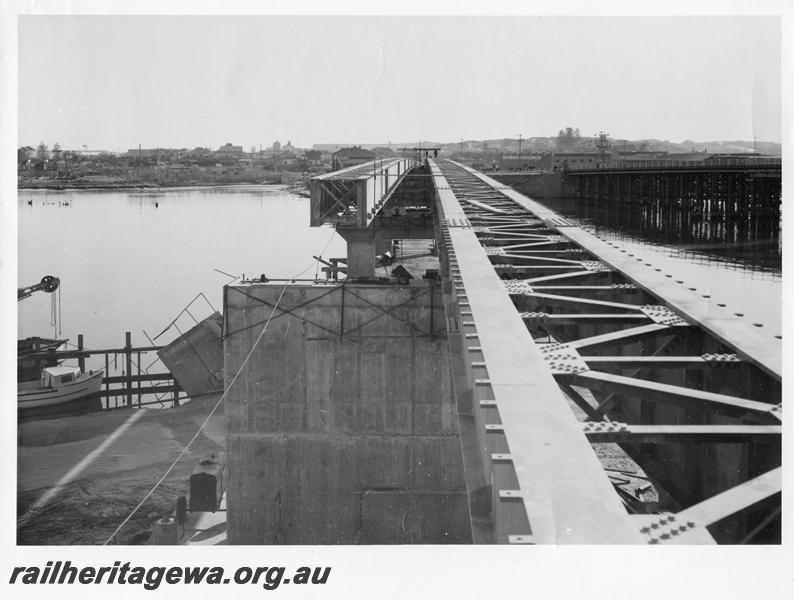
(584, 144)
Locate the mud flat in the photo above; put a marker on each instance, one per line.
(92, 493)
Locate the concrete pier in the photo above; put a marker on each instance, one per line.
(342, 427)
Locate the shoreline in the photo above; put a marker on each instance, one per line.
(298, 187)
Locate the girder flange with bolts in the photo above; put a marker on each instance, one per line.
(662, 315)
(595, 265)
(562, 359)
(603, 426)
(517, 286)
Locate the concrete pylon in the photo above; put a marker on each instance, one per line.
(361, 250)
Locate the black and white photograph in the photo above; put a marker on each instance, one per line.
(324, 289)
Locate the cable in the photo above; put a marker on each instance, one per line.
(316, 262)
(201, 427)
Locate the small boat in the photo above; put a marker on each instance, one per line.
(58, 386)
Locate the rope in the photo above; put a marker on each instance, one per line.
(201, 427)
(316, 263)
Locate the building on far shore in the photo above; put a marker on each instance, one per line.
(347, 157)
(228, 150)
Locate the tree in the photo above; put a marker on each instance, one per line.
(24, 154)
(568, 137)
(56, 151)
(41, 152)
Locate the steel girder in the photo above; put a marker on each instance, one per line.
(688, 386)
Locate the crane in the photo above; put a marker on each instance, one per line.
(47, 284)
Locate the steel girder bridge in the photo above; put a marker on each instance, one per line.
(599, 399)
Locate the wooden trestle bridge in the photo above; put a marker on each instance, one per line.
(738, 190)
(599, 399)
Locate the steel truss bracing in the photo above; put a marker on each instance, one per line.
(571, 345)
(354, 196)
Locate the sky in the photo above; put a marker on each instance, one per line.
(113, 82)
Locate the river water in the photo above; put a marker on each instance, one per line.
(131, 261)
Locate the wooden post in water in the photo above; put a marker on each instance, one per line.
(128, 354)
(107, 382)
(80, 360)
(139, 378)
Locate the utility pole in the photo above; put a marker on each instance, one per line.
(602, 145)
(519, 151)
(461, 149)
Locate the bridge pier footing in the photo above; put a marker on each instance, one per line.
(342, 427)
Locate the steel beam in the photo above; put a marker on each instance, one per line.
(613, 432)
(620, 337)
(660, 362)
(560, 486)
(652, 389)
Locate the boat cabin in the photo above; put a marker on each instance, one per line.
(58, 376)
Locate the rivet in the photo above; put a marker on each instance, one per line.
(653, 540)
(665, 536)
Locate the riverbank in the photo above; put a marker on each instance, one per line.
(124, 177)
(299, 188)
(87, 507)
